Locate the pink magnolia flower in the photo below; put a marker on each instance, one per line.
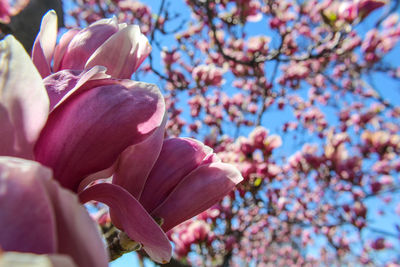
(69, 138)
(351, 10)
(365, 7)
(88, 124)
(120, 48)
(38, 216)
(189, 233)
(75, 148)
(5, 11)
(92, 120)
(172, 185)
(209, 74)
(378, 244)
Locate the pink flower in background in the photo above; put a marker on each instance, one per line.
(208, 74)
(351, 10)
(8, 9)
(121, 48)
(365, 7)
(189, 233)
(5, 11)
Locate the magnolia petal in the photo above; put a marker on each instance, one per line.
(197, 192)
(103, 174)
(27, 106)
(77, 233)
(88, 131)
(178, 157)
(132, 218)
(94, 74)
(16, 259)
(137, 161)
(122, 53)
(65, 82)
(26, 219)
(62, 47)
(59, 83)
(84, 43)
(43, 47)
(47, 215)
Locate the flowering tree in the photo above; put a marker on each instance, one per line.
(301, 96)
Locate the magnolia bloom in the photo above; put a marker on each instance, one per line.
(90, 121)
(184, 180)
(69, 137)
(5, 11)
(351, 10)
(121, 48)
(39, 216)
(93, 122)
(82, 124)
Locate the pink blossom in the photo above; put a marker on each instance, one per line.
(258, 44)
(120, 48)
(351, 10)
(208, 74)
(378, 244)
(70, 138)
(114, 102)
(365, 7)
(185, 179)
(75, 145)
(258, 136)
(7, 10)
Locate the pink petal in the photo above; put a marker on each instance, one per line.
(137, 161)
(132, 218)
(39, 216)
(178, 157)
(87, 132)
(59, 84)
(103, 174)
(86, 42)
(63, 83)
(122, 53)
(26, 219)
(27, 106)
(43, 47)
(96, 76)
(62, 47)
(77, 233)
(197, 192)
